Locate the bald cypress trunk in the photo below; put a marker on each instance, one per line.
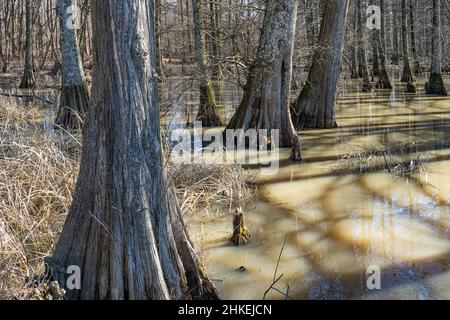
(125, 230)
(207, 112)
(216, 25)
(383, 80)
(315, 106)
(353, 63)
(395, 42)
(74, 100)
(436, 84)
(308, 9)
(265, 104)
(28, 79)
(157, 13)
(415, 57)
(407, 72)
(354, 74)
(375, 60)
(362, 58)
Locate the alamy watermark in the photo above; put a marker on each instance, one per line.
(245, 147)
(73, 281)
(373, 281)
(74, 20)
(373, 15)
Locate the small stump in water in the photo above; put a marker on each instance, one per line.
(241, 235)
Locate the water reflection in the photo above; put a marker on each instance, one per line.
(373, 191)
(39, 98)
(180, 99)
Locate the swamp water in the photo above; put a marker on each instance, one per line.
(373, 192)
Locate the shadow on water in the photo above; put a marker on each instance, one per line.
(340, 220)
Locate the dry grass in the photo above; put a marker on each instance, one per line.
(360, 160)
(38, 172)
(212, 190)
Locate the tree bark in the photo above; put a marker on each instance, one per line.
(383, 80)
(308, 6)
(28, 79)
(216, 25)
(407, 76)
(395, 59)
(125, 230)
(375, 59)
(415, 57)
(436, 84)
(315, 106)
(74, 100)
(354, 73)
(207, 111)
(362, 58)
(265, 104)
(157, 13)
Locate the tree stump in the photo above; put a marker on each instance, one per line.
(241, 235)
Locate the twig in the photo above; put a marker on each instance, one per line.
(275, 279)
(271, 286)
(279, 258)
